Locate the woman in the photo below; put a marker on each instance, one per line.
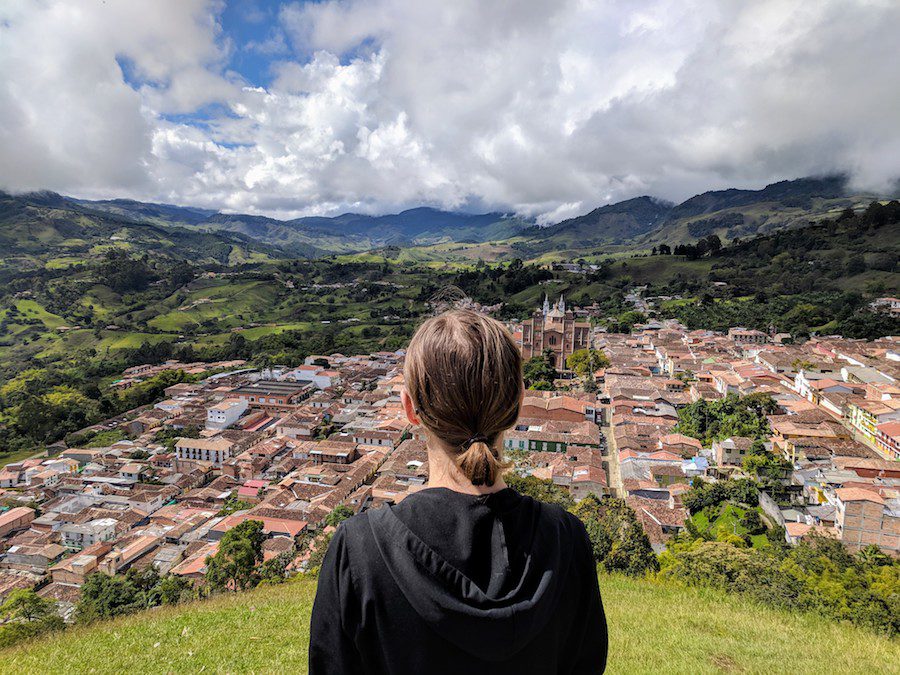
(467, 575)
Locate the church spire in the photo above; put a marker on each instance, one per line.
(546, 304)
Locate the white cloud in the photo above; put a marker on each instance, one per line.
(545, 108)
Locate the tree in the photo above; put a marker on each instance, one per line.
(233, 504)
(873, 556)
(124, 274)
(704, 495)
(49, 417)
(617, 538)
(103, 597)
(275, 571)
(733, 415)
(173, 590)
(26, 615)
(338, 515)
(26, 605)
(539, 370)
(586, 362)
(752, 522)
(767, 466)
(233, 567)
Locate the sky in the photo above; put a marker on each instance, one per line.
(544, 108)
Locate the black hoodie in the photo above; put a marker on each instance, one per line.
(447, 582)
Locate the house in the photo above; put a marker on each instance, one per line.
(83, 456)
(10, 477)
(731, 451)
(743, 336)
(34, 557)
(887, 439)
(79, 536)
(272, 526)
(122, 555)
(273, 395)
(75, 570)
(299, 425)
(559, 408)
(863, 517)
(225, 413)
(194, 565)
(333, 453)
(587, 479)
(214, 450)
(865, 415)
(795, 532)
(17, 518)
(681, 444)
(132, 471)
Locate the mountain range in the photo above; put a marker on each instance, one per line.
(33, 222)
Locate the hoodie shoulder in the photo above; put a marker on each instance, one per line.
(354, 532)
(568, 524)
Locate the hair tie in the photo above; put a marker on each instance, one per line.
(480, 438)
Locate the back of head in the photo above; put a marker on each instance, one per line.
(463, 372)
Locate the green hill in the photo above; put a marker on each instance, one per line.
(654, 627)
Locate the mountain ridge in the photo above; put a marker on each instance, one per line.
(635, 223)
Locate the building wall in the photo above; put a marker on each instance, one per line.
(560, 335)
(889, 447)
(862, 523)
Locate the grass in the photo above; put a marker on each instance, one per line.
(106, 438)
(17, 456)
(727, 521)
(653, 626)
(34, 310)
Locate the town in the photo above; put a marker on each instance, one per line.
(292, 448)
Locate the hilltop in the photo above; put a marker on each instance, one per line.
(654, 627)
(46, 230)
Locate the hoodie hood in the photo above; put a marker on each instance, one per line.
(484, 572)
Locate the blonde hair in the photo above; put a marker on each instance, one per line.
(463, 373)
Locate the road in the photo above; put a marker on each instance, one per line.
(612, 462)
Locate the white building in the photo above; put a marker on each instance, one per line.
(214, 450)
(82, 535)
(224, 414)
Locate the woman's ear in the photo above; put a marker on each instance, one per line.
(408, 406)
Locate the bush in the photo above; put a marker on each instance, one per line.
(617, 537)
(817, 575)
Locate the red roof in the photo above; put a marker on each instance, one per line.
(890, 429)
(270, 525)
(680, 439)
(854, 494)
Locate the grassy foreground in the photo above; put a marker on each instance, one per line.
(654, 628)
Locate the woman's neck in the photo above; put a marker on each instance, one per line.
(443, 473)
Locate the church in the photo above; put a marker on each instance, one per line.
(555, 328)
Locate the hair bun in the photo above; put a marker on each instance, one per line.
(480, 463)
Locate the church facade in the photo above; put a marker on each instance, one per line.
(555, 328)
